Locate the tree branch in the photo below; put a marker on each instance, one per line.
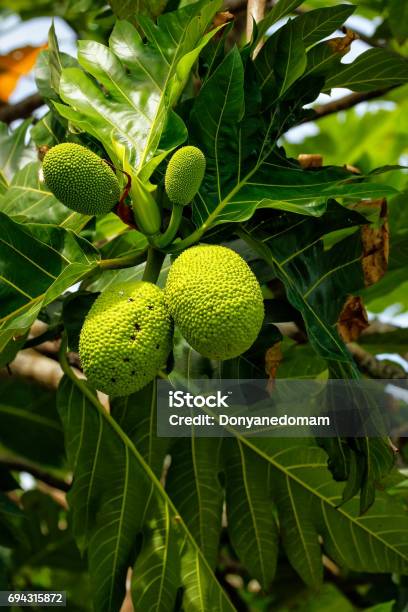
(20, 110)
(16, 465)
(346, 102)
(372, 366)
(255, 12)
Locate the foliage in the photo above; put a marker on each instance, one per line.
(284, 514)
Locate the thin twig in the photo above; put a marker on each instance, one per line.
(372, 366)
(346, 102)
(255, 12)
(20, 110)
(21, 466)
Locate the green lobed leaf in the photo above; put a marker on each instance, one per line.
(280, 10)
(398, 19)
(300, 361)
(327, 277)
(194, 487)
(37, 264)
(157, 569)
(319, 23)
(49, 66)
(252, 526)
(14, 154)
(290, 60)
(317, 282)
(49, 130)
(373, 69)
(323, 60)
(108, 518)
(28, 199)
(126, 243)
(156, 573)
(135, 121)
(137, 416)
(129, 8)
(238, 181)
(309, 505)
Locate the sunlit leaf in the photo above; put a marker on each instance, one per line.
(28, 199)
(373, 69)
(143, 82)
(14, 154)
(317, 24)
(38, 263)
(232, 190)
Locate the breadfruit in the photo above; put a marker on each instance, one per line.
(184, 175)
(215, 300)
(126, 338)
(80, 179)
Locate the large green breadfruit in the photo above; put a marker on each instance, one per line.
(80, 179)
(126, 338)
(215, 300)
(184, 175)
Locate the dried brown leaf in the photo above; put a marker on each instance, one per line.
(273, 357)
(222, 18)
(342, 44)
(310, 160)
(353, 319)
(375, 241)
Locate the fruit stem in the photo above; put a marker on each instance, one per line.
(153, 266)
(187, 242)
(127, 261)
(168, 236)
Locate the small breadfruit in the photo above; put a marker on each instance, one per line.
(80, 179)
(215, 300)
(184, 175)
(126, 338)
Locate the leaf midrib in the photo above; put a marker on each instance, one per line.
(113, 425)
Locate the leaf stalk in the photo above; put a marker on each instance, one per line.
(168, 236)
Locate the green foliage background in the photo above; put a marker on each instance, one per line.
(240, 523)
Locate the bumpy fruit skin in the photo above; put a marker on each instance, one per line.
(126, 338)
(184, 175)
(215, 300)
(80, 179)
